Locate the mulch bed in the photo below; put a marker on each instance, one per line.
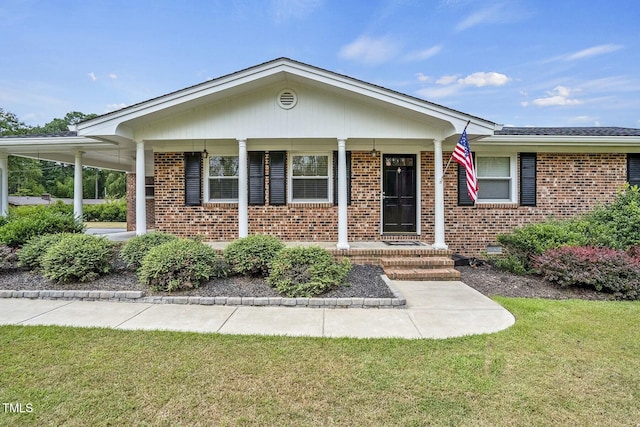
(364, 282)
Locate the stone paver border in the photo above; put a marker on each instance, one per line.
(398, 301)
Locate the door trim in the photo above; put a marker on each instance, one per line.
(418, 193)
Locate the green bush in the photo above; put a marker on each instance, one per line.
(111, 211)
(616, 225)
(180, 264)
(603, 269)
(510, 263)
(35, 210)
(252, 255)
(18, 231)
(524, 243)
(78, 258)
(134, 251)
(32, 253)
(306, 271)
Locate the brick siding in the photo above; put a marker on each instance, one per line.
(567, 184)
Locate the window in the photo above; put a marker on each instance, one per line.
(223, 178)
(310, 178)
(496, 178)
(148, 187)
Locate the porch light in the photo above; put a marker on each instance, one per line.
(374, 153)
(205, 153)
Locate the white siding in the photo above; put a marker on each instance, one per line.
(318, 114)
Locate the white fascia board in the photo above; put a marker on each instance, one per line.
(55, 143)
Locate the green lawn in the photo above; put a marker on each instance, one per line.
(564, 363)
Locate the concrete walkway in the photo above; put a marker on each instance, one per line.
(434, 310)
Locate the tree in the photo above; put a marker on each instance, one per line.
(11, 125)
(25, 176)
(62, 125)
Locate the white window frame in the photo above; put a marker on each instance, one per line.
(513, 178)
(290, 177)
(147, 186)
(207, 180)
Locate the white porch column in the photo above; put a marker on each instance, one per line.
(439, 196)
(243, 189)
(141, 200)
(343, 239)
(77, 187)
(4, 184)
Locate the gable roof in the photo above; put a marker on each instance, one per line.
(119, 124)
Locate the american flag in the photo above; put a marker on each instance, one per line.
(462, 155)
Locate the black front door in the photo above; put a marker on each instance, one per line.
(399, 193)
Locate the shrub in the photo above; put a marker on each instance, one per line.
(616, 225)
(35, 210)
(32, 253)
(306, 271)
(604, 269)
(18, 231)
(526, 242)
(180, 264)
(134, 251)
(77, 258)
(510, 263)
(114, 210)
(253, 254)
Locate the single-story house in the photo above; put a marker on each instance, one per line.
(305, 154)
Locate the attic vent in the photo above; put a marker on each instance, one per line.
(287, 99)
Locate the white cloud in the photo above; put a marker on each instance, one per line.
(370, 51)
(113, 76)
(452, 84)
(447, 80)
(481, 79)
(424, 54)
(93, 77)
(560, 95)
(593, 51)
(423, 78)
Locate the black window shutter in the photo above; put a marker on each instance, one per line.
(528, 179)
(633, 169)
(256, 177)
(192, 179)
(335, 178)
(463, 193)
(277, 178)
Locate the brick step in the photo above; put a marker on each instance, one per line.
(417, 262)
(422, 273)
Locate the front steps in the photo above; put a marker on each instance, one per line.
(413, 263)
(420, 268)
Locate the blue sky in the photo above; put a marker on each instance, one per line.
(514, 62)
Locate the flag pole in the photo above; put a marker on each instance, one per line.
(451, 157)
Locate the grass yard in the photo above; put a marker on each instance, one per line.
(563, 363)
